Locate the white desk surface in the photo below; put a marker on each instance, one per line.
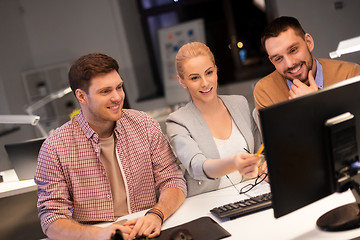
(297, 225)
(12, 186)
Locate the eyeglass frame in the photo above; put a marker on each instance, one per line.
(260, 178)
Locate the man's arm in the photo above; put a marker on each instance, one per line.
(69, 229)
(170, 200)
(150, 225)
(168, 179)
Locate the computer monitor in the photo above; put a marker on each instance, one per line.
(23, 156)
(298, 152)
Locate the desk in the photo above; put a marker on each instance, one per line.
(12, 186)
(297, 225)
(18, 208)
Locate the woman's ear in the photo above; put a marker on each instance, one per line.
(181, 81)
(81, 96)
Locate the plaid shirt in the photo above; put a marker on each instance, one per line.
(72, 182)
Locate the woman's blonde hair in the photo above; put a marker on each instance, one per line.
(188, 51)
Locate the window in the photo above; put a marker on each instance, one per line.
(232, 28)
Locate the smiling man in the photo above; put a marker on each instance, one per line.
(105, 163)
(297, 72)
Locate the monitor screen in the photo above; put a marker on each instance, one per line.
(296, 140)
(23, 156)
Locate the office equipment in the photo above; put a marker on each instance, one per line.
(262, 225)
(20, 119)
(43, 102)
(296, 148)
(19, 217)
(47, 95)
(260, 150)
(203, 228)
(23, 157)
(342, 147)
(346, 46)
(117, 235)
(243, 207)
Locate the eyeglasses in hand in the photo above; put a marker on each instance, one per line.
(250, 186)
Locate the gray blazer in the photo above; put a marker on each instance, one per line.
(192, 142)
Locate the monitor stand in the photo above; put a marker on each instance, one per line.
(345, 217)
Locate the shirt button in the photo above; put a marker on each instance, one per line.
(108, 196)
(199, 182)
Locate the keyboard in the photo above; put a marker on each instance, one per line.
(243, 207)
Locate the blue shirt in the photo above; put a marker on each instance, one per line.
(318, 77)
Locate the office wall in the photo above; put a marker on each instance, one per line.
(324, 22)
(41, 33)
(61, 31)
(38, 33)
(14, 58)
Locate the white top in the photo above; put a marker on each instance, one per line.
(234, 144)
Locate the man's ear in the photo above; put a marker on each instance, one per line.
(81, 96)
(181, 81)
(309, 42)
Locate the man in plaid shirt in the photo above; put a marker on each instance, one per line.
(105, 163)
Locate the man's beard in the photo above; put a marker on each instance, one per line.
(304, 76)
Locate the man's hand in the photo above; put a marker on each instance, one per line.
(70, 229)
(149, 226)
(300, 89)
(108, 232)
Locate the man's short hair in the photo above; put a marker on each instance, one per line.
(89, 66)
(279, 25)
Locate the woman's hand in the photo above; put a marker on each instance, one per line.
(247, 164)
(263, 169)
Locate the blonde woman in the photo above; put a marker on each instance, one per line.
(212, 135)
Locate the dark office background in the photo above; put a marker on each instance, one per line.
(37, 34)
(228, 23)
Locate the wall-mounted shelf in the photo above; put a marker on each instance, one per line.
(43, 83)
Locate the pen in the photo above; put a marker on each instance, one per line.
(260, 150)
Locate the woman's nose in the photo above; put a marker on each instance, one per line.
(204, 81)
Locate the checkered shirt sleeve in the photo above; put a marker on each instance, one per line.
(72, 182)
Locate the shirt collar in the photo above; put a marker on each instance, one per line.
(318, 77)
(89, 132)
